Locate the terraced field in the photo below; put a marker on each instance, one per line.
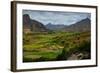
(54, 46)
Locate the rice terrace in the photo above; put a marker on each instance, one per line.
(56, 36)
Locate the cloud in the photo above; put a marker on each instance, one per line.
(55, 17)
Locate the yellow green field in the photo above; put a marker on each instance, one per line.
(54, 46)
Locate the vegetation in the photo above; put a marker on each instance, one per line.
(52, 46)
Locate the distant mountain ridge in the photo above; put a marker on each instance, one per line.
(30, 25)
(81, 26)
(51, 26)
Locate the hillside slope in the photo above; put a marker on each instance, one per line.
(81, 26)
(30, 25)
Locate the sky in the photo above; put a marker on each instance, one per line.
(56, 17)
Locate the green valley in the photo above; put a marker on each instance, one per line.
(52, 46)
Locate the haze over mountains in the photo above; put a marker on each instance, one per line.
(31, 25)
(51, 26)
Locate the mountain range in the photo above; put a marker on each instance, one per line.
(51, 26)
(31, 25)
(80, 26)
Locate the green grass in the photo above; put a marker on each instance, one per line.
(54, 46)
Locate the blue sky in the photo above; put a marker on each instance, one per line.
(66, 18)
